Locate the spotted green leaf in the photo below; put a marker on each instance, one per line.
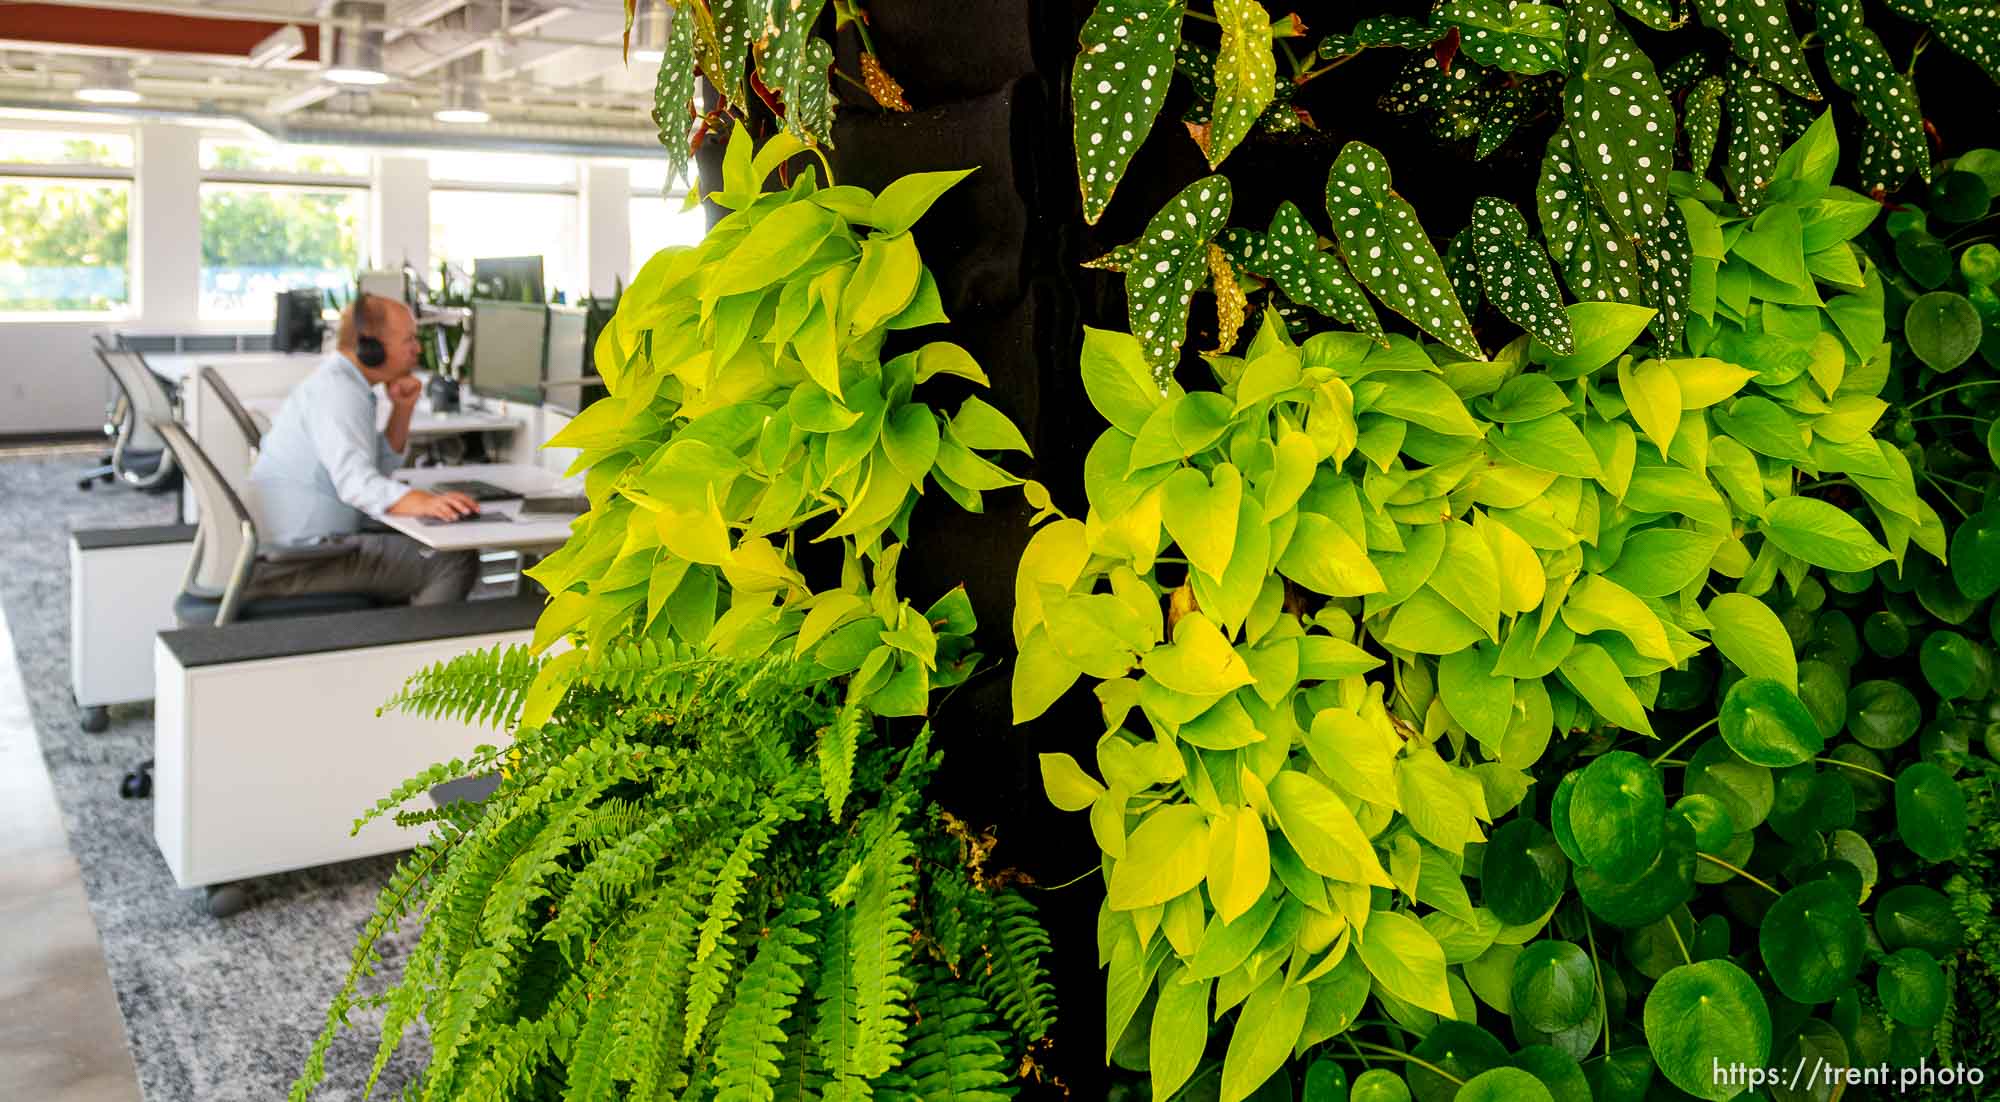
(1883, 94)
(1690, 67)
(1883, 166)
(1520, 38)
(1196, 63)
(1168, 264)
(1701, 121)
(1971, 30)
(1395, 30)
(1619, 119)
(1463, 272)
(1760, 31)
(1669, 273)
(1119, 82)
(1756, 136)
(790, 66)
(1514, 272)
(738, 24)
(673, 93)
(1423, 85)
(1500, 112)
(1596, 262)
(1290, 256)
(1657, 14)
(1387, 250)
(1246, 74)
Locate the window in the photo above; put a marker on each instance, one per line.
(65, 202)
(466, 225)
(517, 170)
(277, 217)
(659, 222)
(259, 239)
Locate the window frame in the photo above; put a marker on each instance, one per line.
(276, 182)
(57, 174)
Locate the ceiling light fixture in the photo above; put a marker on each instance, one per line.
(356, 57)
(649, 33)
(463, 104)
(108, 82)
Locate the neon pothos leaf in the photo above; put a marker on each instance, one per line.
(1760, 31)
(1756, 136)
(1520, 38)
(1396, 30)
(1883, 94)
(1657, 14)
(1387, 250)
(673, 92)
(1290, 256)
(1514, 272)
(791, 67)
(1701, 120)
(1246, 74)
(1120, 80)
(1619, 119)
(1168, 264)
(1593, 258)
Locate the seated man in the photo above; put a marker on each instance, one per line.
(323, 466)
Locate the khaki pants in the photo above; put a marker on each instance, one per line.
(386, 565)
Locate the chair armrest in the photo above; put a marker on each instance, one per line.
(307, 553)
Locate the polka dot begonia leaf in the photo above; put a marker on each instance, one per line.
(1882, 166)
(1246, 74)
(1971, 30)
(739, 24)
(1230, 301)
(1290, 256)
(1690, 68)
(1883, 94)
(1657, 14)
(1396, 30)
(1760, 31)
(1336, 45)
(1197, 64)
(1117, 87)
(1387, 250)
(1501, 111)
(1701, 122)
(1117, 260)
(673, 96)
(1517, 37)
(1670, 276)
(1168, 264)
(1458, 266)
(1756, 136)
(1514, 273)
(1422, 85)
(1619, 119)
(1595, 260)
(790, 65)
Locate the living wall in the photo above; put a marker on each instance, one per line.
(1497, 557)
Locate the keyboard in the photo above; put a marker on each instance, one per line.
(475, 489)
(559, 504)
(469, 518)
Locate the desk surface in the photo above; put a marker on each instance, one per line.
(423, 423)
(176, 367)
(543, 531)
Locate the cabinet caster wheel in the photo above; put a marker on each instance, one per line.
(223, 900)
(96, 720)
(138, 784)
(86, 484)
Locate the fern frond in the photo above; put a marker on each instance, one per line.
(880, 947)
(651, 998)
(484, 759)
(748, 1043)
(1014, 978)
(836, 1027)
(837, 744)
(483, 687)
(712, 955)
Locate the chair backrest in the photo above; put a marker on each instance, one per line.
(225, 547)
(246, 421)
(148, 402)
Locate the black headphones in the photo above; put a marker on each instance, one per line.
(366, 348)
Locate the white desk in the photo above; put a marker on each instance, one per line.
(546, 530)
(424, 425)
(177, 368)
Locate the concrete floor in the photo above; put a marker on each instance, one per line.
(61, 1037)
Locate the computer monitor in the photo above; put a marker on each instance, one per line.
(508, 279)
(509, 342)
(297, 326)
(569, 361)
(385, 284)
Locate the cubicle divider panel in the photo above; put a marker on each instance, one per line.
(262, 765)
(122, 583)
(272, 375)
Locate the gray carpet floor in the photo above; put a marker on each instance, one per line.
(214, 1009)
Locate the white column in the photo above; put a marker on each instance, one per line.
(399, 214)
(167, 212)
(607, 225)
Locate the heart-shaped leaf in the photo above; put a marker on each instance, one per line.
(1290, 256)
(1514, 272)
(1619, 119)
(1388, 251)
(1822, 535)
(1246, 74)
(1168, 265)
(1767, 724)
(1520, 38)
(1117, 87)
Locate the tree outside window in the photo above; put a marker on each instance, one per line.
(64, 244)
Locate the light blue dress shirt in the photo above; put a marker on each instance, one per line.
(324, 464)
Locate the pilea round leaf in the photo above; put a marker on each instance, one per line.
(1930, 812)
(1377, 1085)
(1882, 715)
(1924, 257)
(1912, 987)
(1525, 871)
(1823, 690)
(1746, 790)
(1943, 329)
(1812, 941)
(1975, 546)
(1950, 663)
(1915, 915)
(1960, 197)
(1326, 1081)
(1666, 884)
(1710, 819)
(1460, 1048)
(1704, 1014)
(1767, 724)
(1559, 805)
(1503, 1085)
(1886, 634)
(1554, 986)
(1557, 1070)
(1617, 813)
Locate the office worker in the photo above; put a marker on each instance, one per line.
(323, 466)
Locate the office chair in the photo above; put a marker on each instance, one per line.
(115, 411)
(253, 433)
(138, 457)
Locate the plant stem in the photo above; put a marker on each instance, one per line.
(1678, 940)
(1092, 871)
(842, 74)
(1198, 17)
(1720, 863)
(1946, 417)
(1949, 389)
(1948, 499)
(1682, 741)
(1857, 768)
(1597, 974)
(1417, 1060)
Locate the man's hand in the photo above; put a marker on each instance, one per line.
(445, 506)
(404, 391)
